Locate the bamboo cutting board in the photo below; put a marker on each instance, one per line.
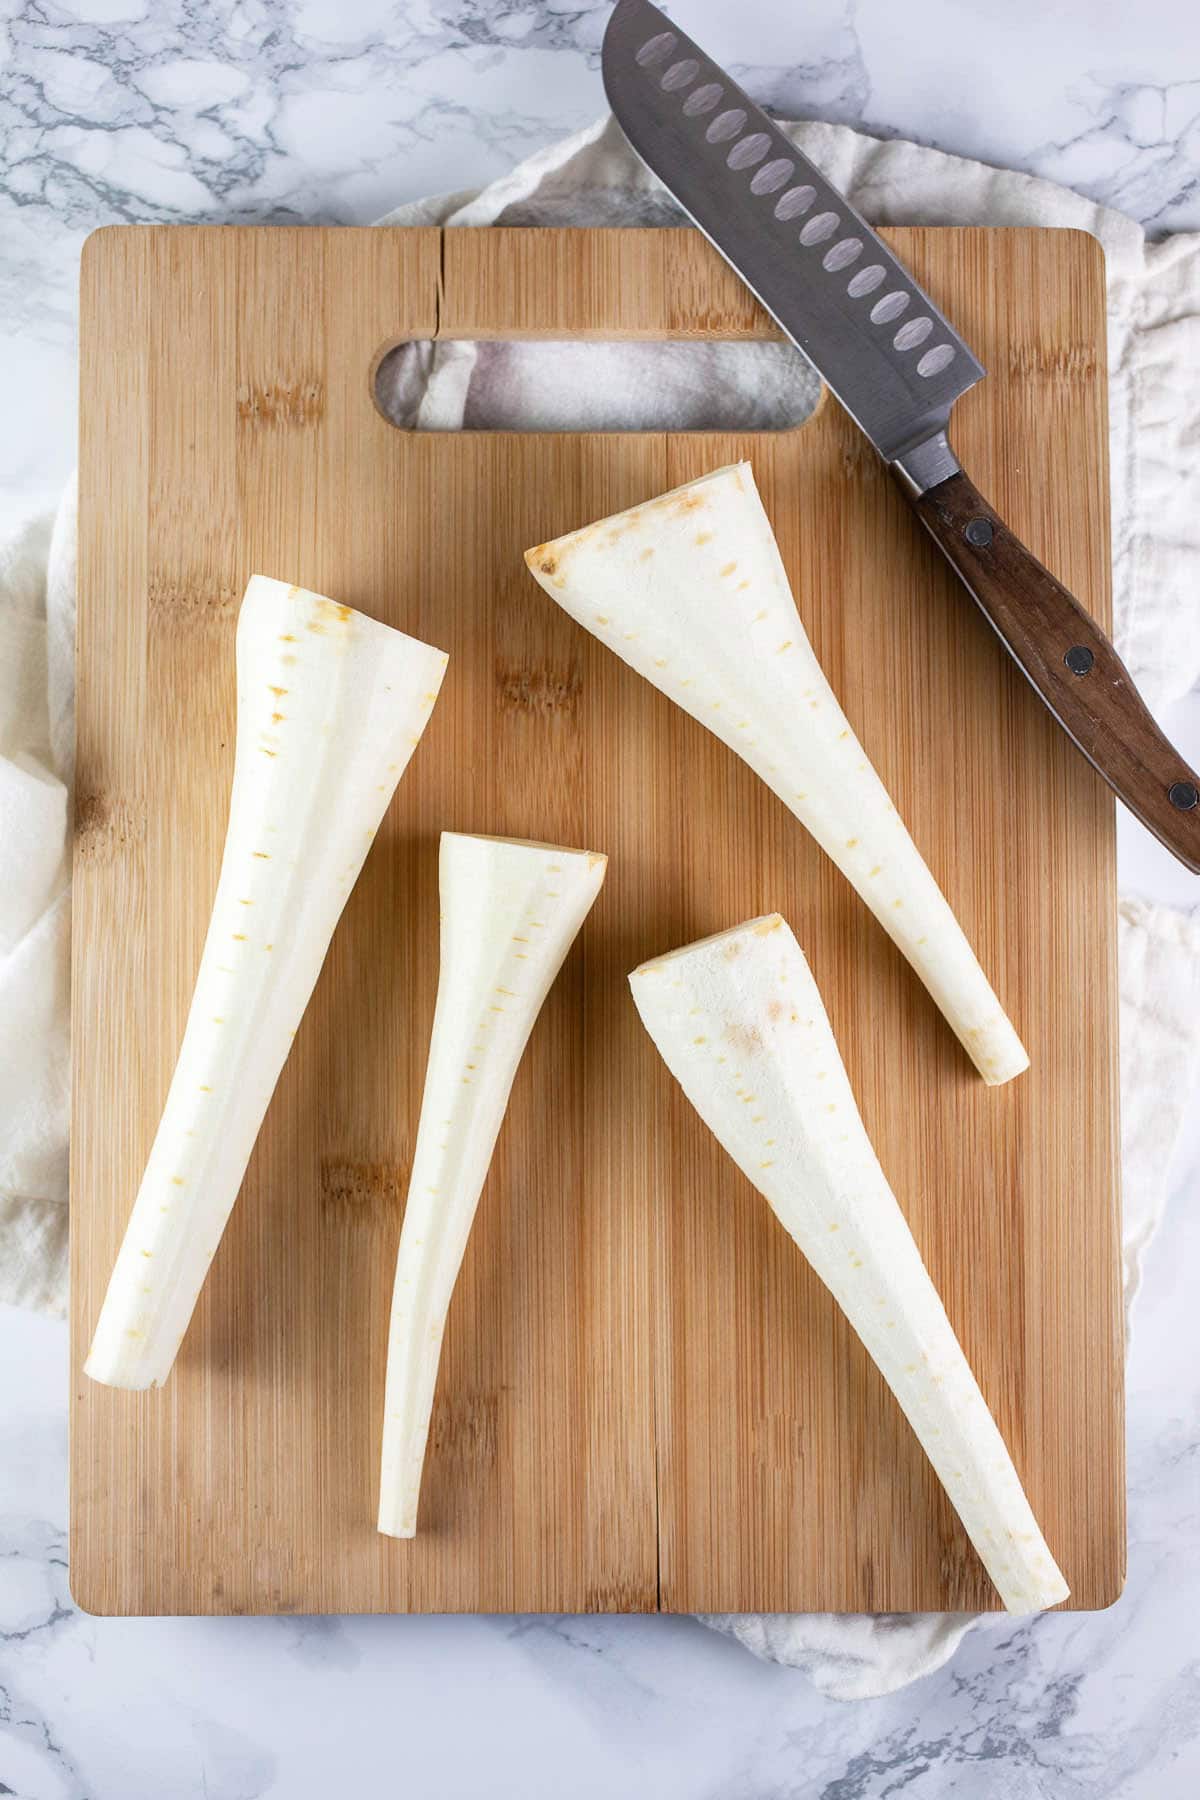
(646, 1400)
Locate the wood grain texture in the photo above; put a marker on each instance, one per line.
(646, 1400)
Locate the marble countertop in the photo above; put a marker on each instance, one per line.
(337, 110)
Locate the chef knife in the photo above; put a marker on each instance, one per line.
(897, 366)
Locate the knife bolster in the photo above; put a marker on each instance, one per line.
(925, 464)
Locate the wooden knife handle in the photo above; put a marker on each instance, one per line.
(1064, 654)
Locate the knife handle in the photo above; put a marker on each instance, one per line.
(1062, 651)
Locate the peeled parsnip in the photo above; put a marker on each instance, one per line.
(330, 707)
(510, 913)
(690, 591)
(738, 1021)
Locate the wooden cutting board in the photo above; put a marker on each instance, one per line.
(646, 1400)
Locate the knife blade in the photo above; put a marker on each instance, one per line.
(897, 365)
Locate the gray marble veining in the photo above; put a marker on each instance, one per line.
(1100, 1707)
(337, 110)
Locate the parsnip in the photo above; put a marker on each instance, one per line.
(330, 707)
(690, 591)
(510, 912)
(739, 1022)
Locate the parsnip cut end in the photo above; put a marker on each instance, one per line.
(330, 706)
(689, 589)
(510, 913)
(803, 1146)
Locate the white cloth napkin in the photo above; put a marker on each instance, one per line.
(37, 631)
(592, 178)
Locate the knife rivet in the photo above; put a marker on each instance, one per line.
(979, 532)
(1185, 795)
(1079, 659)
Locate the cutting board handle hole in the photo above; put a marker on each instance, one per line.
(628, 385)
